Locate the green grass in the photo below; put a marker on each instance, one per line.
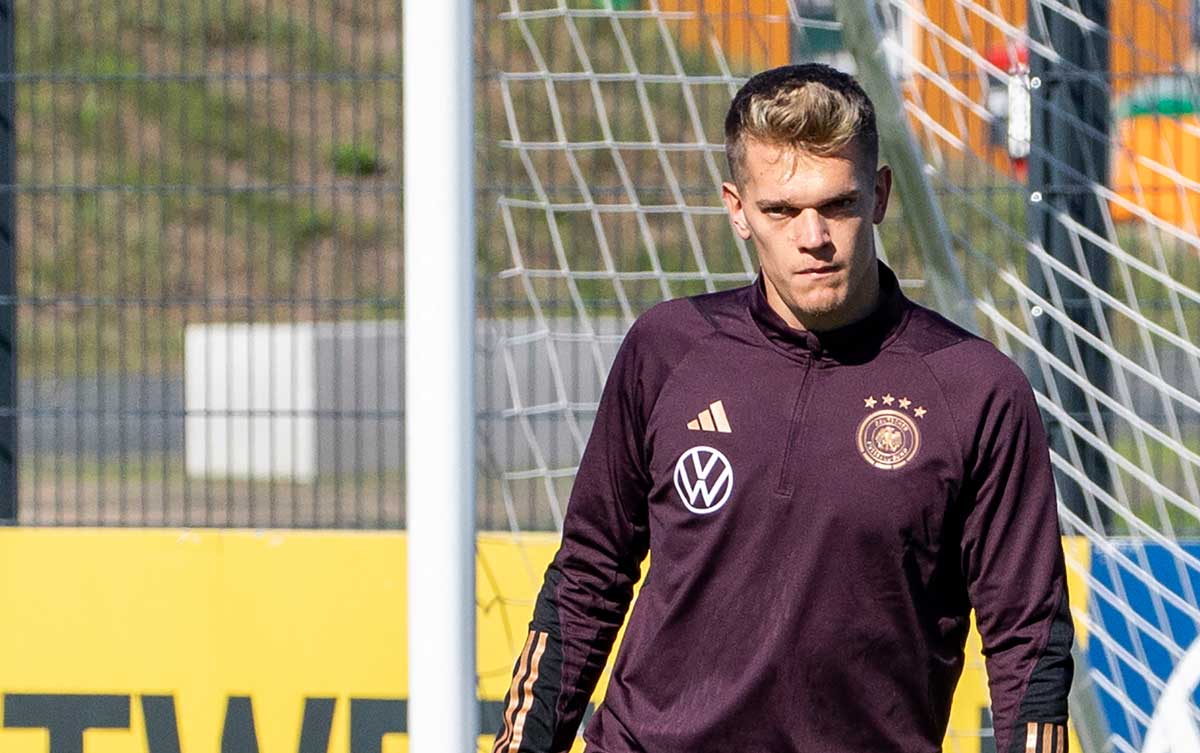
(356, 160)
(184, 29)
(1168, 468)
(117, 269)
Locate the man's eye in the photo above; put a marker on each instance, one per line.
(776, 211)
(840, 206)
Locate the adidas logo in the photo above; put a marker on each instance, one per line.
(711, 418)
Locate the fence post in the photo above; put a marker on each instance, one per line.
(8, 268)
(1068, 155)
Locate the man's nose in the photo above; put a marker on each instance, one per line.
(810, 230)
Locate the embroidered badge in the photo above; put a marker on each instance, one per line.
(888, 438)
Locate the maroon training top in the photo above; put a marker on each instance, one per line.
(823, 511)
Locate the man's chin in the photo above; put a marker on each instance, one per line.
(820, 305)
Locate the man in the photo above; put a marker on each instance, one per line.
(829, 477)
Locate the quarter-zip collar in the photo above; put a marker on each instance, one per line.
(853, 343)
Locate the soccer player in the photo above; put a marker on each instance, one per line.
(828, 478)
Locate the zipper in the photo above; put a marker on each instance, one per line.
(785, 487)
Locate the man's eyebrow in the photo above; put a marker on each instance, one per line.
(853, 193)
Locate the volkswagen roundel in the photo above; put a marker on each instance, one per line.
(704, 479)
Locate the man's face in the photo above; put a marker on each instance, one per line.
(811, 218)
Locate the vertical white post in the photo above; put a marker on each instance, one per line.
(439, 261)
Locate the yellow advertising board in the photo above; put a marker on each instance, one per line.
(154, 641)
(129, 641)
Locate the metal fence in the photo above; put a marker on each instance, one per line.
(207, 262)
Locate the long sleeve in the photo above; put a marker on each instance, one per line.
(589, 584)
(1012, 561)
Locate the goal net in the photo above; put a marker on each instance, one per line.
(1058, 151)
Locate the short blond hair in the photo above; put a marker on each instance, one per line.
(812, 108)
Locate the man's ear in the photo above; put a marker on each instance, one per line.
(737, 212)
(883, 189)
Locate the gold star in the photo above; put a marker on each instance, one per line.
(888, 399)
(870, 402)
(920, 412)
(905, 402)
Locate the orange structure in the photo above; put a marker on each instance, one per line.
(752, 34)
(1147, 41)
(1157, 166)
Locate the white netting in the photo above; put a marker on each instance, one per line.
(606, 191)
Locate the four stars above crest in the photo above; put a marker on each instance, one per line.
(888, 399)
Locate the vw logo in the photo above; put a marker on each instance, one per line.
(704, 479)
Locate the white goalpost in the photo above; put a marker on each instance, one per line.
(439, 267)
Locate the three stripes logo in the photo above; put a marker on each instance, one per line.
(712, 418)
(703, 479)
(520, 694)
(1045, 737)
